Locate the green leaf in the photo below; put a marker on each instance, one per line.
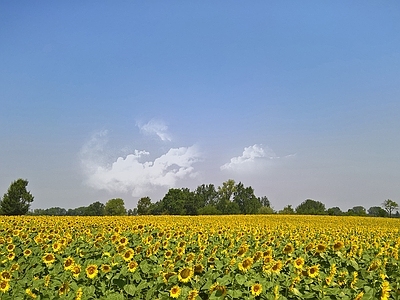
(130, 289)
(240, 279)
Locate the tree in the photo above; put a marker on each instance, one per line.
(17, 200)
(115, 207)
(357, 211)
(390, 206)
(377, 211)
(143, 206)
(206, 194)
(225, 194)
(265, 210)
(334, 211)
(95, 209)
(244, 196)
(287, 210)
(264, 201)
(311, 207)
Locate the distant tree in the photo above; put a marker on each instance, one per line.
(55, 211)
(115, 207)
(79, 211)
(390, 206)
(174, 202)
(225, 197)
(377, 211)
(208, 210)
(334, 211)
(287, 210)
(357, 211)
(265, 210)
(206, 195)
(247, 202)
(95, 209)
(143, 206)
(132, 212)
(264, 201)
(17, 200)
(311, 207)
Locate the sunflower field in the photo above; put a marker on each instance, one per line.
(199, 257)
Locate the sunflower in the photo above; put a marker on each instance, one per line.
(288, 248)
(132, 266)
(190, 257)
(4, 286)
(338, 245)
(30, 293)
(242, 250)
(298, 263)
(5, 275)
(313, 271)
(64, 289)
(221, 289)
(256, 289)
(91, 271)
(69, 263)
(49, 258)
(76, 270)
(166, 276)
(277, 267)
(123, 241)
(105, 268)
(246, 264)
(192, 295)
(185, 274)
(198, 269)
(11, 256)
(10, 247)
(57, 246)
(79, 294)
(27, 252)
(257, 255)
(128, 255)
(385, 290)
(175, 291)
(320, 248)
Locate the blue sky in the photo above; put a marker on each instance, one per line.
(127, 99)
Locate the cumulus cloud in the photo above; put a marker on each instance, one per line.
(155, 127)
(252, 157)
(133, 173)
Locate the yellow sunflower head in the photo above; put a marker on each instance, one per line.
(256, 289)
(132, 266)
(4, 286)
(298, 263)
(92, 271)
(313, 271)
(105, 268)
(175, 291)
(185, 274)
(49, 258)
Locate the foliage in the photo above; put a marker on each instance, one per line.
(287, 210)
(95, 209)
(17, 200)
(334, 211)
(311, 207)
(377, 211)
(265, 210)
(390, 206)
(199, 257)
(143, 206)
(115, 207)
(357, 211)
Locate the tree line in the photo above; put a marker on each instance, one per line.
(206, 199)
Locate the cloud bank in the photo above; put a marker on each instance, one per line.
(252, 158)
(133, 173)
(156, 127)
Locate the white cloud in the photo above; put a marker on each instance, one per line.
(250, 158)
(133, 173)
(156, 127)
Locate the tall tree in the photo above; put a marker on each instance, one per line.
(377, 211)
(244, 196)
(17, 200)
(390, 206)
(115, 207)
(311, 207)
(206, 194)
(143, 206)
(95, 209)
(225, 196)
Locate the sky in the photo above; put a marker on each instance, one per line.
(297, 99)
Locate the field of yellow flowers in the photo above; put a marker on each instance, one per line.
(199, 257)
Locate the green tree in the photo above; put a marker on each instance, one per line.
(264, 201)
(357, 211)
(95, 209)
(143, 206)
(79, 211)
(265, 210)
(287, 210)
(334, 211)
(247, 202)
(179, 202)
(225, 197)
(377, 211)
(208, 210)
(311, 207)
(206, 194)
(17, 200)
(115, 207)
(390, 206)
